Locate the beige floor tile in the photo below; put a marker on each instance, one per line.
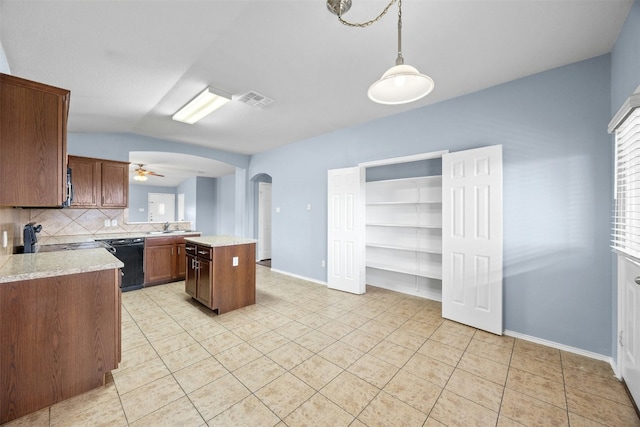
(391, 353)
(178, 413)
(586, 364)
(237, 356)
(284, 394)
(551, 370)
(335, 329)
(250, 330)
(421, 328)
(150, 397)
(537, 351)
(429, 369)
(136, 357)
(207, 331)
(268, 342)
(162, 331)
(497, 353)
(132, 378)
(258, 373)
(199, 374)
(293, 330)
(314, 320)
(108, 414)
(528, 410)
(221, 342)
(576, 420)
(378, 329)
(606, 387)
(35, 419)
(392, 318)
(537, 387)
(98, 397)
(353, 319)
(350, 392)
(218, 396)
(458, 341)
(499, 340)
(407, 339)
(290, 355)
(361, 340)
(233, 319)
(441, 352)
(173, 343)
(456, 411)
(341, 354)
(485, 368)
(249, 412)
(373, 370)
(184, 357)
(274, 320)
(433, 423)
(385, 411)
(315, 341)
(479, 390)
(319, 411)
(604, 411)
(316, 371)
(414, 391)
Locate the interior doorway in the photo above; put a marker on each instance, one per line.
(162, 207)
(264, 221)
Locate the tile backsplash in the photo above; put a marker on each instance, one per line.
(11, 222)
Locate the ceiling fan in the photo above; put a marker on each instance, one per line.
(141, 173)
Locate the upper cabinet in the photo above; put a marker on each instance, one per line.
(99, 183)
(33, 143)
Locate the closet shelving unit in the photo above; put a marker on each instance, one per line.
(404, 235)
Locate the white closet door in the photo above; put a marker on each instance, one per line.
(346, 230)
(472, 238)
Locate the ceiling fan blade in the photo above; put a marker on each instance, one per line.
(153, 173)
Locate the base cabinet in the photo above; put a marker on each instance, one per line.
(164, 259)
(60, 336)
(222, 278)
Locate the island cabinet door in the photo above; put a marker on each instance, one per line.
(205, 285)
(190, 281)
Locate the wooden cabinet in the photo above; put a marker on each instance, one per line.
(60, 336)
(404, 235)
(164, 259)
(221, 277)
(33, 143)
(99, 183)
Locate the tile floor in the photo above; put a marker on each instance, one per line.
(308, 356)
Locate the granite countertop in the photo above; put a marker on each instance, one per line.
(49, 264)
(214, 241)
(52, 240)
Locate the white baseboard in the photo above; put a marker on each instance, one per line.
(319, 282)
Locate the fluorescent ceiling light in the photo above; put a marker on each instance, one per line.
(205, 103)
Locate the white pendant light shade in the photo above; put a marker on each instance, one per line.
(399, 85)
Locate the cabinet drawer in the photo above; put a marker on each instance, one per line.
(160, 241)
(204, 252)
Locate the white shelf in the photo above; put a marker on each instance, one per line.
(433, 274)
(404, 234)
(405, 248)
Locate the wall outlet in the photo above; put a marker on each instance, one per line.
(114, 222)
(235, 261)
(5, 239)
(107, 223)
(309, 207)
(324, 263)
(277, 210)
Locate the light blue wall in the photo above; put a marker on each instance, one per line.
(4, 65)
(138, 200)
(206, 205)
(225, 205)
(557, 192)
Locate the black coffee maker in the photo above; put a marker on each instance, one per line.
(29, 236)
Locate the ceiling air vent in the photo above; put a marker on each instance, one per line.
(254, 99)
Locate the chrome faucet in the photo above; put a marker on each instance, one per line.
(166, 226)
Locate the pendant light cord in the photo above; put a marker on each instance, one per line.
(366, 24)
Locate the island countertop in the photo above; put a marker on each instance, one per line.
(215, 241)
(35, 266)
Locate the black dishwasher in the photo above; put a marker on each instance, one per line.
(131, 253)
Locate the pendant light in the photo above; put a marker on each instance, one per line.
(401, 83)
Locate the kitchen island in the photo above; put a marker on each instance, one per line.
(61, 316)
(221, 271)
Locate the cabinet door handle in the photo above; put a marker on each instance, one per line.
(203, 252)
(178, 250)
(171, 251)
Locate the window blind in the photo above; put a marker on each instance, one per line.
(626, 224)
